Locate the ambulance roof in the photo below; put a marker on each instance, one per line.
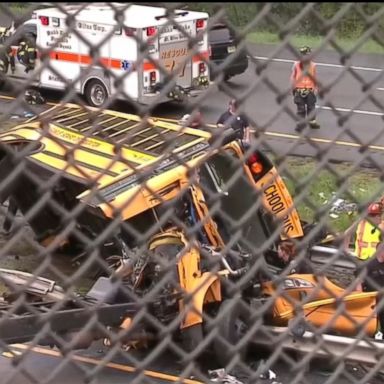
(135, 16)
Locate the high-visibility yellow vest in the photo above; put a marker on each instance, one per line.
(367, 238)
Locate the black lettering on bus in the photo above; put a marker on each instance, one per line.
(267, 189)
(277, 208)
(288, 226)
(274, 200)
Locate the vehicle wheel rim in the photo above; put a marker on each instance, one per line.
(98, 95)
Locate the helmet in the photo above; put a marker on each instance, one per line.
(305, 50)
(374, 209)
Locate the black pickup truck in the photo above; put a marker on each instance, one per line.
(222, 44)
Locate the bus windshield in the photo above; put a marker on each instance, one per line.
(232, 201)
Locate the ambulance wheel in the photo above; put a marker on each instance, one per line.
(234, 321)
(95, 93)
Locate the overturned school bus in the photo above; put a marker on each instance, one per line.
(116, 165)
(150, 196)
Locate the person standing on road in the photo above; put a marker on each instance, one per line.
(367, 233)
(6, 59)
(26, 53)
(304, 88)
(238, 122)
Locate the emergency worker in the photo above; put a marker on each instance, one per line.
(238, 122)
(367, 233)
(304, 87)
(6, 59)
(4, 33)
(26, 53)
(370, 276)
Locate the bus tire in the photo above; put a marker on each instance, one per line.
(95, 93)
(230, 313)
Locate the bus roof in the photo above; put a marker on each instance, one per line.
(135, 16)
(107, 144)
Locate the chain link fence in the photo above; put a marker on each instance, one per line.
(169, 253)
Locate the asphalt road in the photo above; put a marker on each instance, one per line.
(363, 126)
(46, 366)
(351, 117)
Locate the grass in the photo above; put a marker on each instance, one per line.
(261, 37)
(363, 187)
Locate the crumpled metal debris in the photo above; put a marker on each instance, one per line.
(338, 205)
(221, 376)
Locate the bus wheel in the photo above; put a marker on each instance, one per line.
(234, 320)
(95, 93)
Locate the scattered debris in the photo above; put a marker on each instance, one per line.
(322, 195)
(338, 205)
(266, 373)
(342, 206)
(221, 376)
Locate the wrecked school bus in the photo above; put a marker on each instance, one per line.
(175, 213)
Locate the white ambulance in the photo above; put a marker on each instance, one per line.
(116, 66)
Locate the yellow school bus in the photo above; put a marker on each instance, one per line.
(117, 182)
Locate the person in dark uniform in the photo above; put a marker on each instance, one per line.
(26, 53)
(6, 59)
(237, 121)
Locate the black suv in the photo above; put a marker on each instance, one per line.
(222, 44)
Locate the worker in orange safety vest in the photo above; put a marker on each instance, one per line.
(367, 234)
(304, 88)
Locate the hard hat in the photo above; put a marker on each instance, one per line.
(374, 209)
(305, 50)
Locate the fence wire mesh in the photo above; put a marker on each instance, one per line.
(147, 240)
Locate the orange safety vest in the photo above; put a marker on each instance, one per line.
(366, 241)
(306, 78)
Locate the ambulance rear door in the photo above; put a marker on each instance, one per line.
(173, 52)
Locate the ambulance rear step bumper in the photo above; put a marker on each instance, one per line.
(157, 98)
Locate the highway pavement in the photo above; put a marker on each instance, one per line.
(350, 113)
(356, 137)
(41, 365)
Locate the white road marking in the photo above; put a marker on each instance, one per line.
(358, 111)
(322, 64)
(380, 89)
